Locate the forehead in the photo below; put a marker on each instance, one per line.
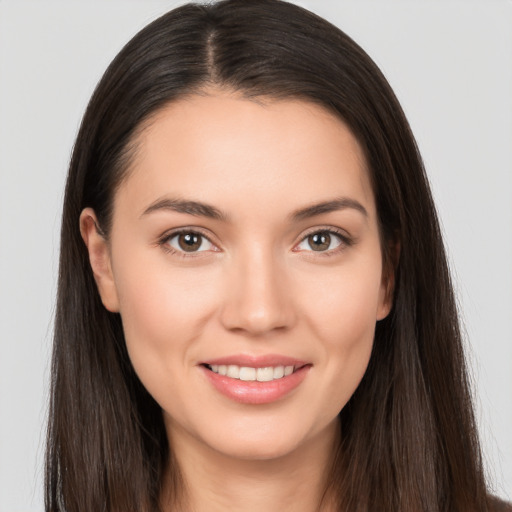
(222, 148)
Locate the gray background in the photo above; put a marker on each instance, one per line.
(450, 64)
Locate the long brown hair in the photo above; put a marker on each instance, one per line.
(409, 439)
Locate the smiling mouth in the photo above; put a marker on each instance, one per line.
(255, 380)
(248, 373)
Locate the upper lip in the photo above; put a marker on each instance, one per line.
(262, 361)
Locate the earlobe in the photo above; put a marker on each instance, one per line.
(99, 258)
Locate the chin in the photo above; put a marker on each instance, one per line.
(265, 442)
(256, 449)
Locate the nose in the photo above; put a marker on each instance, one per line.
(257, 300)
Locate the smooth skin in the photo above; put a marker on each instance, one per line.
(254, 270)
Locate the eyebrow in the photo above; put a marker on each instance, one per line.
(186, 206)
(332, 205)
(200, 209)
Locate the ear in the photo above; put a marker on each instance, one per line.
(99, 258)
(387, 287)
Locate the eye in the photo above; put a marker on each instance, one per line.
(321, 241)
(189, 241)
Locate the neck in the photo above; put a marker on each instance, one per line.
(215, 482)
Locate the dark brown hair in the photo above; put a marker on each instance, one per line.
(409, 439)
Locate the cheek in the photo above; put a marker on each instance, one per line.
(153, 294)
(342, 306)
(163, 311)
(343, 318)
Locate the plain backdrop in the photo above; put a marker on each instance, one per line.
(450, 63)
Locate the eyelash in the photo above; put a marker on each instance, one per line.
(345, 241)
(167, 237)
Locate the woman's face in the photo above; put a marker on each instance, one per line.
(245, 262)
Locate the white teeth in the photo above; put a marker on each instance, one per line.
(248, 373)
(233, 371)
(278, 372)
(265, 374)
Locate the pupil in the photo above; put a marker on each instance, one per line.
(320, 241)
(189, 242)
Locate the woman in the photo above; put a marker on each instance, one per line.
(254, 306)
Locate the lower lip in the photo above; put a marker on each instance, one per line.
(255, 392)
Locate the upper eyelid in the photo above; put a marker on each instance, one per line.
(163, 242)
(326, 229)
(345, 238)
(178, 231)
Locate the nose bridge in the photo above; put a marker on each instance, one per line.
(257, 300)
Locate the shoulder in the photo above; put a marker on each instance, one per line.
(497, 505)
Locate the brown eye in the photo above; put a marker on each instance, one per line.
(190, 241)
(319, 241)
(322, 241)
